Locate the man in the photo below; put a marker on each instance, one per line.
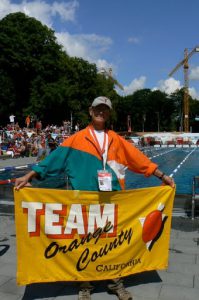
(51, 144)
(27, 121)
(12, 121)
(95, 159)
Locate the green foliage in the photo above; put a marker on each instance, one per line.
(40, 78)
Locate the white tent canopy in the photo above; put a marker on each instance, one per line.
(169, 136)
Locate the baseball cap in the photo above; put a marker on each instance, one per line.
(102, 100)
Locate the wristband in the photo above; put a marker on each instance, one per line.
(161, 176)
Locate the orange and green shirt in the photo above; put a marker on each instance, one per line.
(79, 159)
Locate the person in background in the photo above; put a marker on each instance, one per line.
(41, 146)
(27, 121)
(22, 148)
(88, 154)
(12, 121)
(77, 127)
(51, 144)
(38, 126)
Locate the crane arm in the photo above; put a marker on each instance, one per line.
(176, 67)
(117, 83)
(109, 75)
(182, 62)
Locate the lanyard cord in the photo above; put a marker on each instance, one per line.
(100, 150)
(104, 150)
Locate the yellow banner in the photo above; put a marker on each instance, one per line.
(81, 236)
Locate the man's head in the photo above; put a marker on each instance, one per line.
(100, 112)
(102, 100)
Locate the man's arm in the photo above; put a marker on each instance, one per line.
(140, 163)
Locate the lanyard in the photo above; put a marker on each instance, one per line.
(103, 151)
(100, 150)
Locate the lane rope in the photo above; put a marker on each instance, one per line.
(182, 162)
(7, 181)
(17, 167)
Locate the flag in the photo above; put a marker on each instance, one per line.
(83, 236)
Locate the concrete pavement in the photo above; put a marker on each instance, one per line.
(14, 162)
(179, 282)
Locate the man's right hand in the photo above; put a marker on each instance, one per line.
(24, 180)
(21, 182)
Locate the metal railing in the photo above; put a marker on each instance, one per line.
(195, 195)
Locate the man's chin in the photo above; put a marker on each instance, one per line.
(99, 123)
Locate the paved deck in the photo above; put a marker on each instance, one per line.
(14, 162)
(179, 282)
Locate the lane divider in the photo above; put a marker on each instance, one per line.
(182, 162)
(160, 154)
(7, 181)
(12, 180)
(16, 168)
(5, 202)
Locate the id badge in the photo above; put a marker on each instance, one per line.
(104, 180)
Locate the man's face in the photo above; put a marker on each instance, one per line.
(100, 114)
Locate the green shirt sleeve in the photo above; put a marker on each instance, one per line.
(53, 165)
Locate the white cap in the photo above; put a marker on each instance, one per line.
(102, 100)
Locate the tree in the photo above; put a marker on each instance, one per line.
(28, 54)
(177, 99)
(40, 78)
(194, 115)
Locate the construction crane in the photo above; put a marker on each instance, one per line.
(108, 73)
(184, 62)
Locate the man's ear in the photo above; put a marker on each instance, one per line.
(90, 111)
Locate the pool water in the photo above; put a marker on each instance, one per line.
(180, 163)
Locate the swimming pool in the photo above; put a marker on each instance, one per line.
(180, 163)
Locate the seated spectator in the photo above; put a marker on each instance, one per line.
(41, 146)
(23, 149)
(13, 150)
(50, 144)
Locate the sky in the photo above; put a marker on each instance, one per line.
(140, 40)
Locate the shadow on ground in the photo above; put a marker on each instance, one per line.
(55, 289)
(4, 249)
(185, 224)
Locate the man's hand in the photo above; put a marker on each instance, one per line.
(24, 180)
(168, 181)
(21, 182)
(165, 179)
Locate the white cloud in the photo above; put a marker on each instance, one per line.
(89, 47)
(193, 93)
(133, 40)
(41, 10)
(169, 85)
(136, 84)
(194, 74)
(103, 64)
(65, 10)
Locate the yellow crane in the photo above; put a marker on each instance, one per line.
(108, 73)
(185, 64)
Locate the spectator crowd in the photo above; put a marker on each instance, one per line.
(31, 141)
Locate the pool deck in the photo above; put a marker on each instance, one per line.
(180, 281)
(15, 162)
